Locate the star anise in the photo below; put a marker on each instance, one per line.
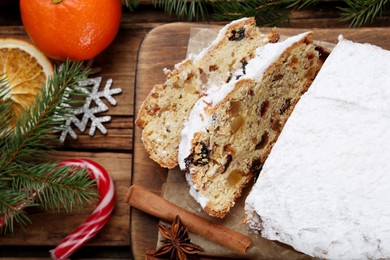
(177, 241)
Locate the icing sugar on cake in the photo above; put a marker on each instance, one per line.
(325, 187)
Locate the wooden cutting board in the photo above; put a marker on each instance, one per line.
(165, 46)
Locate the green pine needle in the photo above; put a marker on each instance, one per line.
(300, 3)
(192, 9)
(9, 202)
(362, 12)
(266, 12)
(32, 129)
(61, 187)
(26, 178)
(5, 108)
(132, 4)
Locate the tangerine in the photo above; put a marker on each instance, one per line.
(74, 29)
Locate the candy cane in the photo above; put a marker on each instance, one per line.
(99, 216)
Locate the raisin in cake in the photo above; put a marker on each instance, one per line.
(231, 130)
(325, 187)
(168, 105)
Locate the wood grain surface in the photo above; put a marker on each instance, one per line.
(165, 46)
(113, 151)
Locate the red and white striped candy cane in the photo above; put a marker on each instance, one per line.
(99, 216)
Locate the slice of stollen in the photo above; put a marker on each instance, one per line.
(231, 130)
(168, 105)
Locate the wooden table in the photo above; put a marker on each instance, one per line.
(134, 63)
(113, 151)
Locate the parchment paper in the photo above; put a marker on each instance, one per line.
(176, 190)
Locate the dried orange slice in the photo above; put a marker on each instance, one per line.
(25, 70)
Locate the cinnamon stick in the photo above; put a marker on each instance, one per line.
(141, 198)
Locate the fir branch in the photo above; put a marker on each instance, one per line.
(9, 207)
(132, 4)
(25, 178)
(300, 3)
(361, 12)
(5, 107)
(32, 129)
(193, 9)
(61, 187)
(267, 12)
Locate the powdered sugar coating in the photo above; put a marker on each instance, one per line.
(324, 189)
(268, 54)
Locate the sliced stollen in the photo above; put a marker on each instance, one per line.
(231, 130)
(168, 105)
(324, 188)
